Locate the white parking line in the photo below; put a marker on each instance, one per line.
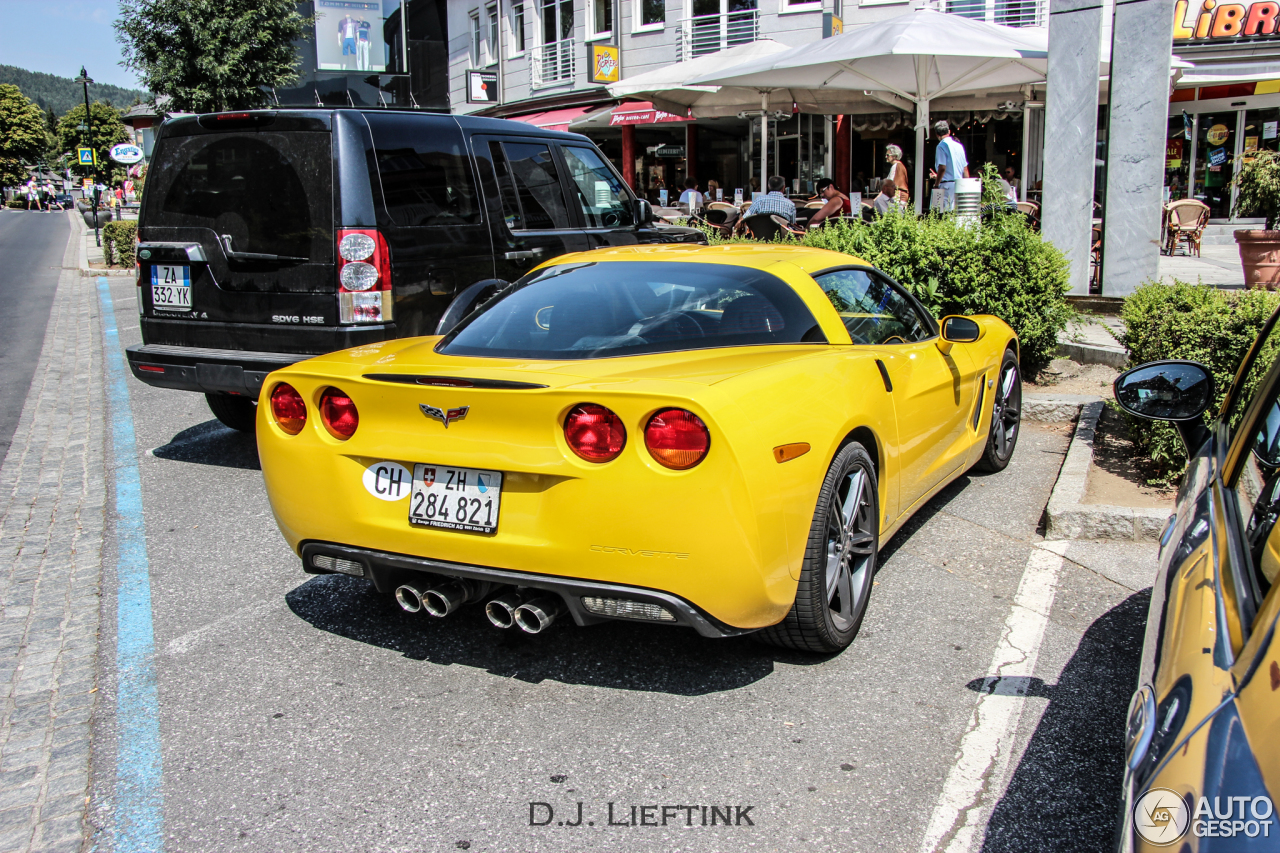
(983, 759)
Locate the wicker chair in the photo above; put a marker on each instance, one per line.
(1185, 223)
(768, 226)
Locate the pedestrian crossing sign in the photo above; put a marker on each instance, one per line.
(86, 157)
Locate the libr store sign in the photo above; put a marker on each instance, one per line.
(1212, 21)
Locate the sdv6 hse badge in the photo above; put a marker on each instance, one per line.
(387, 481)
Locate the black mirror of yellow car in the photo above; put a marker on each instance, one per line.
(958, 330)
(1176, 391)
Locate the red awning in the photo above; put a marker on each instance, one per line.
(554, 119)
(641, 112)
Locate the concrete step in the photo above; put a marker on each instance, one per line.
(1223, 235)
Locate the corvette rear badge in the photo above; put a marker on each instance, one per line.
(444, 416)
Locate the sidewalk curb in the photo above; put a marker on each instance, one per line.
(1090, 354)
(87, 271)
(1068, 517)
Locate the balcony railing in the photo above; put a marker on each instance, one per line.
(553, 63)
(1008, 13)
(703, 34)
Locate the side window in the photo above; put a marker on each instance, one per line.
(425, 171)
(1257, 490)
(605, 204)
(506, 189)
(537, 186)
(873, 311)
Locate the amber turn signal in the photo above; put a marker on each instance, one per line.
(787, 452)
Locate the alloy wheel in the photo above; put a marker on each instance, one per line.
(851, 545)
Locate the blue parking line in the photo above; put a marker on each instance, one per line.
(138, 801)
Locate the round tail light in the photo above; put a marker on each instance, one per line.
(594, 433)
(288, 408)
(338, 414)
(676, 438)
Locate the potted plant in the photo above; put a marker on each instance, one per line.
(1258, 185)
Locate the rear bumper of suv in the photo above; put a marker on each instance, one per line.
(211, 371)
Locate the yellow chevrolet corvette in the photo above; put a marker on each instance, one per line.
(714, 437)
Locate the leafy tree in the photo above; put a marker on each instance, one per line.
(212, 55)
(22, 135)
(108, 130)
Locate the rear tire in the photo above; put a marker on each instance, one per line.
(839, 561)
(238, 413)
(1006, 417)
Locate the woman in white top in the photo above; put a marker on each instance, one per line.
(898, 172)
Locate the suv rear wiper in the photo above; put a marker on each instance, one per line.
(233, 255)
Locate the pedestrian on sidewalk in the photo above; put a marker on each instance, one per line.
(33, 194)
(949, 164)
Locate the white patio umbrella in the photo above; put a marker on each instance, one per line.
(906, 62)
(665, 87)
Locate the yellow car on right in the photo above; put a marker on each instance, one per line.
(1203, 733)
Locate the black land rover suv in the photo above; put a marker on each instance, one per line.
(270, 236)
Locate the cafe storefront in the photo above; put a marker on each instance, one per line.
(1227, 106)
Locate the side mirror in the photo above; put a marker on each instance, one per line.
(957, 330)
(644, 212)
(466, 302)
(1177, 391)
(1166, 390)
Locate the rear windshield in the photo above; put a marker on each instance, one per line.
(272, 193)
(600, 310)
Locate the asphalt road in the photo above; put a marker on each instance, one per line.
(31, 247)
(309, 713)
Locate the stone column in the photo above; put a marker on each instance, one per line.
(842, 167)
(1071, 131)
(1141, 46)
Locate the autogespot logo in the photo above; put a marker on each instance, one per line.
(1160, 816)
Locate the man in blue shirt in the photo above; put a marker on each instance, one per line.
(950, 164)
(775, 201)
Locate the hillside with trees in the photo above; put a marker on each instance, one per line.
(60, 94)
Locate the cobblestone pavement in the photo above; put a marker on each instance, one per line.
(51, 527)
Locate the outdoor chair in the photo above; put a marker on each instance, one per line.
(769, 226)
(1185, 223)
(815, 205)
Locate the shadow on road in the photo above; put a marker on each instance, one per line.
(1064, 794)
(618, 655)
(210, 443)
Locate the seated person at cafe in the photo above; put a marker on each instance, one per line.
(691, 196)
(887, 197)
(837, 203)
(775, 201)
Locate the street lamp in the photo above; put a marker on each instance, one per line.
(88, 117)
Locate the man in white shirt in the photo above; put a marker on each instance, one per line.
(691, 196)
(950, 164)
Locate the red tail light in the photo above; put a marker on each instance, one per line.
(677, 439)
(288, 408)
(594, 433)
(364, 276)
(338, 414)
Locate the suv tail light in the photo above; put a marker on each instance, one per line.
(364, 276)
(288, 408)
(677, 439)
(594, 433)
(338, 414)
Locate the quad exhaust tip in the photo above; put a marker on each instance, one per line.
(502, 610)
(409, 597)
(536, 616)
(442, 600)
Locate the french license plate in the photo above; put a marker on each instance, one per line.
(170, 288)
(455, 498)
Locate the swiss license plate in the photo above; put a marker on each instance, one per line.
(170, 288)
(455, 498)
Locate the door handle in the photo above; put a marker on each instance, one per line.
(523, 255)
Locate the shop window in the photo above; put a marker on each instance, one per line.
(599, 18)
(529, 185)
(517, 29)
(650, 14)
(605, 204)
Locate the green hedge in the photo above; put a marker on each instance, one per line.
(118, 241)
(1194, 322)
(1002, 268)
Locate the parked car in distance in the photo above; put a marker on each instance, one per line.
(269, 236)
(1203, 733)
(712, 437)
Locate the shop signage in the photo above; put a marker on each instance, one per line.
(482, 87)
(1217, 157)
(1217, 134)
(669, 151)
(1205, 20)
(126, 154)
(1173, 153)
(831, 25)
(622, 115)
(603, 64)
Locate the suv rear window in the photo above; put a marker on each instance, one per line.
(599, 310)
(272, 193)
